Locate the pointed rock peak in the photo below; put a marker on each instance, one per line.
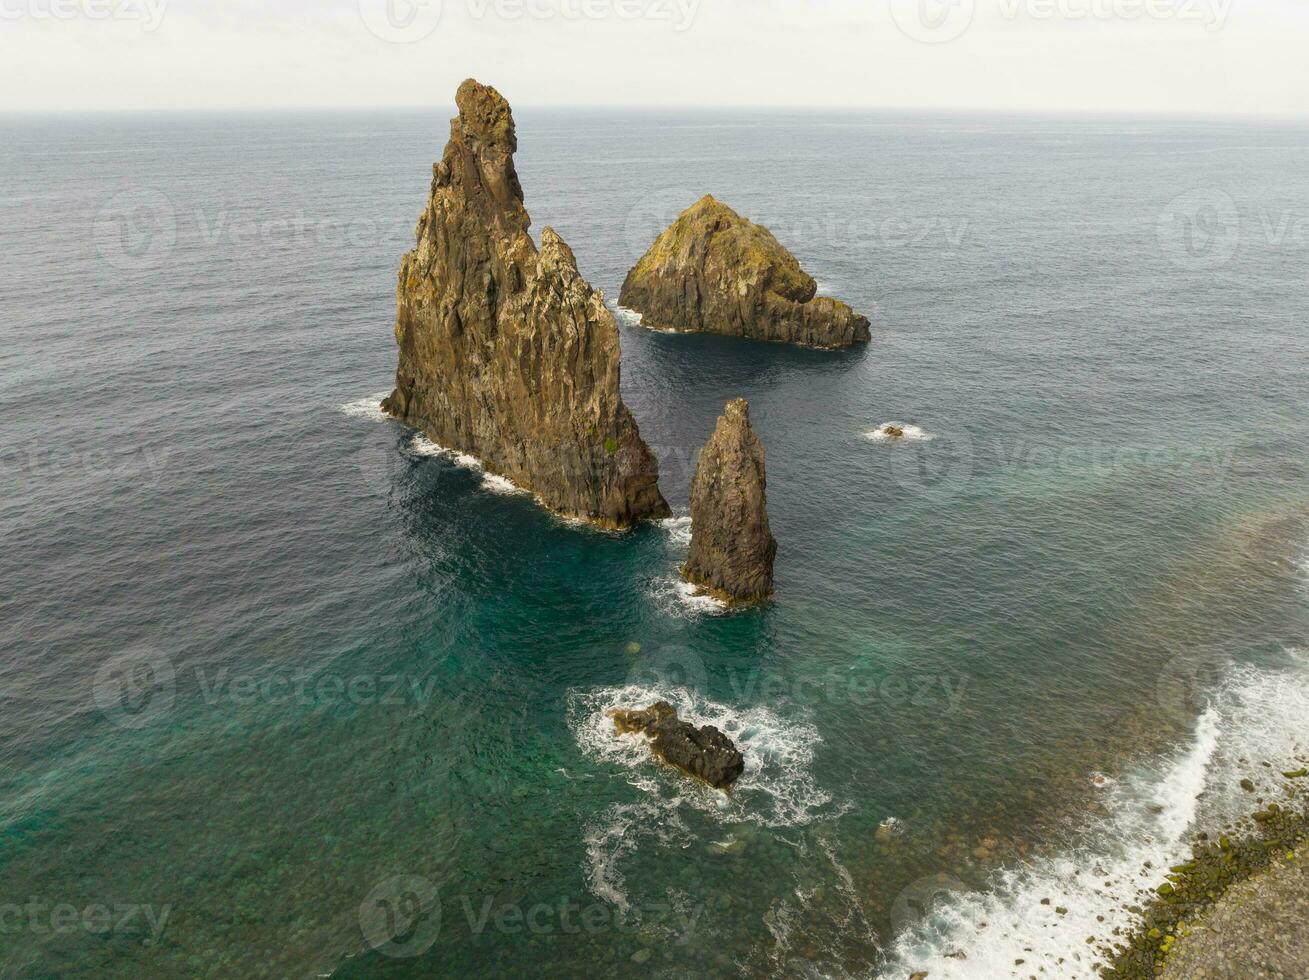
(710, 205)
(485, 114)
(732, 547)
(555, 252)
(477, 169)
(737, 412)
(506, 351)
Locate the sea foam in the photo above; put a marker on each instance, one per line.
(367, 408)
(678, 528)
(680, 598)
(628, 318)
(1152, 812)
(912, 433)
(776, 790)
(421, 445)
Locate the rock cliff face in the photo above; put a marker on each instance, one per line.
(716, 272)
(704, 752)
(506, 352)
(732, 548)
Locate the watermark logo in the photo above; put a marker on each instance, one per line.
(401, 917)
(401, 21)
(667, 668)
(136, 229)
(379, 463)
(136, 688)
(1185, 685)
(652, 215)
(916, 902)
(1200, 229)
(933, 21)
(932, 469)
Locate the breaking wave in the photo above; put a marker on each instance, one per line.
(421, 445)
(678, 528)
(1256, 717)
(776, 790)
(679, 597)
(367, 408)
(628, 318)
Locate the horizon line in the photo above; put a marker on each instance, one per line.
(1117, 113)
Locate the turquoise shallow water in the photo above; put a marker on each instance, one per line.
(287, 694)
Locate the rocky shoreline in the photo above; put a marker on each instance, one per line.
(1255, 930)
(1229, 884)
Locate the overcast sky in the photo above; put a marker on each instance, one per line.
(1133, 56)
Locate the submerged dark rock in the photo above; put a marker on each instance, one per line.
(506, 352)
(705, 752)
(716, 272)
(732, 546)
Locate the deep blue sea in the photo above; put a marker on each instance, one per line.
(287, 692)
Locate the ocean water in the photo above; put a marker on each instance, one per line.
(290, 691)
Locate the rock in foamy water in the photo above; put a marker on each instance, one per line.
(896, 432)
(705, 752)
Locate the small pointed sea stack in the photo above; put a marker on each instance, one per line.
(732, 548)
(506, 352)
(713, 271)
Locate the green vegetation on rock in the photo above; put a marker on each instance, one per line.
(714, 271)
(1197, 884)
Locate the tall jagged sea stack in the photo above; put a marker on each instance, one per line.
(732, 547)
(713, 271)
(506, 352)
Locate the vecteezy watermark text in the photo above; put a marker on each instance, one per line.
(1210, 14)
(942, 693)
(673, 666)
(140, 685)
(313, 688)
(679, 14)
(148, 13)
(404, 915)
(43, 917)
(137, 464)
(941, 21)
(410, 21)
